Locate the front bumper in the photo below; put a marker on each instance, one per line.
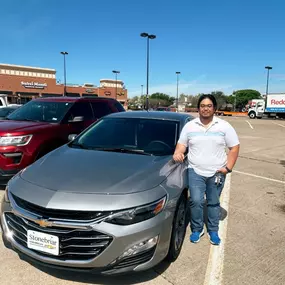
(106, 262)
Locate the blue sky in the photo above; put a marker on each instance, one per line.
(216, 45)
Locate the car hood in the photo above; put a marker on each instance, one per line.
(75, 170)
(20, 126)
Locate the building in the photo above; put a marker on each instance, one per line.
(23, 83)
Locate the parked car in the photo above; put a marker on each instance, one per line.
(5, 111)
(163, 109)
(44, 124)
(106, 202)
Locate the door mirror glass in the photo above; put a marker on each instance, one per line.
(77, 119)
(71, 137)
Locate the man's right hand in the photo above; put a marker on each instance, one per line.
(178, 157)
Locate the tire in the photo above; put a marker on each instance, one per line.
(252, 115)
(178, 229)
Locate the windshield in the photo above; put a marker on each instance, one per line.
(5, 111)
(41, 111)
(150, 136)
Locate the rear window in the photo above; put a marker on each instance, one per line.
(119, 106)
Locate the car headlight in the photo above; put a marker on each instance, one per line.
(15, 140)
(138, 214)
(6, 196)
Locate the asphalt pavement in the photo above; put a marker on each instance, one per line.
(252, 227)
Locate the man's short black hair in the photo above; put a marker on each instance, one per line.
(210, 97)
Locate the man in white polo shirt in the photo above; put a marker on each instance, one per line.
(206, 139)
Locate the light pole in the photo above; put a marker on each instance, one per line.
(235, 102)
(116, 72)
(64, 53)
(146, 35)
(268, 68)
(177, 72)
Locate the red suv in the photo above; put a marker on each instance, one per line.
(44, 124)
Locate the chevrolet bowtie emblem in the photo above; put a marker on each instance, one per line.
(44, 223)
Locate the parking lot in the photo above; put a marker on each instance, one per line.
(252, 226)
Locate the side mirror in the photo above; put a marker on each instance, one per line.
(71, 137)
(77, 119)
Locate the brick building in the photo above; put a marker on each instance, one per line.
(23, 83)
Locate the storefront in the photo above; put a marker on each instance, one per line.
(23, 83)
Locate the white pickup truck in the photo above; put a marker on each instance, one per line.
(4, 101)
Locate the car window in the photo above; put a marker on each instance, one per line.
(81, 109)
(154, 136)
(101, 109)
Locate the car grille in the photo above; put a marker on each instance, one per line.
(135, 260)
(83, 216)
(75, 244)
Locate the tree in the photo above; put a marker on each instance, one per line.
(241, 97)
(221, 98)
(160, 99)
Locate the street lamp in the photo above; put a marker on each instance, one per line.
(64, 53)
(268, 68)
(146, 35)
(177, 72)
(116, 72)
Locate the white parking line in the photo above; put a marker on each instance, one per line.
(261, 177)
(214, 273)
(278, 124)
(249, 124)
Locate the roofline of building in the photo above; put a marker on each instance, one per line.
(27, 67)
(111, 80)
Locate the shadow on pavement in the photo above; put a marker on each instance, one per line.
(89, 278)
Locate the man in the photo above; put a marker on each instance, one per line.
(206, 138)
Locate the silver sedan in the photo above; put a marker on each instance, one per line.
(110, 201)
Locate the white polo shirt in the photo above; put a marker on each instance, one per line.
(207, 146)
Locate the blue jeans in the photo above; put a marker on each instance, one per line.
(198, 186)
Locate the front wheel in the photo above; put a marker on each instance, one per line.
(252, 115)
(178, 229)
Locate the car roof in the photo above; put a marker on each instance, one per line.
(72, 99)
(152, 115)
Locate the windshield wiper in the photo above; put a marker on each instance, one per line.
(114, 149)
(30, 120)
(121, 149)
(24, 120)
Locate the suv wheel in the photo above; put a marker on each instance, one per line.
(178, 229)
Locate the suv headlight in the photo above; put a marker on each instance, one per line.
(138, 214)
(15, 140)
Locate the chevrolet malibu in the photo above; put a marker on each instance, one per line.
(109, 201)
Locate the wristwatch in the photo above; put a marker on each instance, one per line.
(229, 170)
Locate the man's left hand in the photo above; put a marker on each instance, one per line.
(222, 170)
